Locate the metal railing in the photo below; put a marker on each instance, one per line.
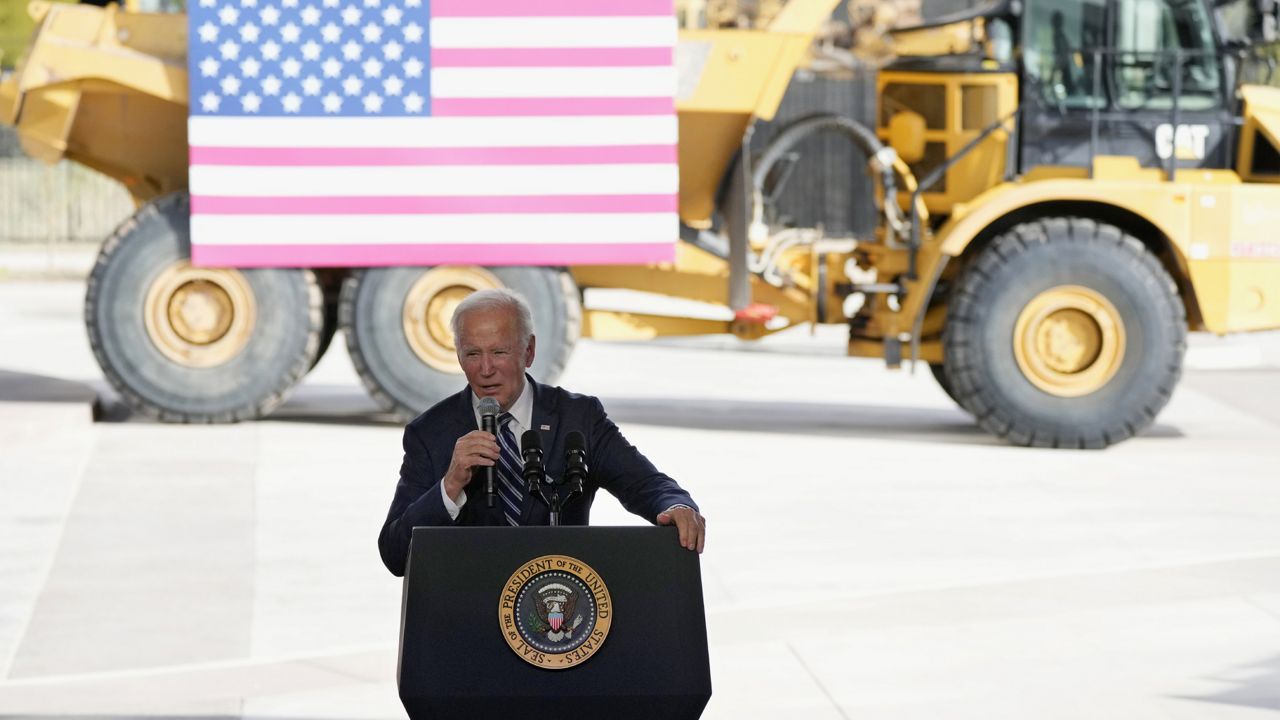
(1106, 89)
(63, 203)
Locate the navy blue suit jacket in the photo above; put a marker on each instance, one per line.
(614, 463)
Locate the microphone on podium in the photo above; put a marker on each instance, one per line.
(489, 410)
(531, 451)
(575, 460)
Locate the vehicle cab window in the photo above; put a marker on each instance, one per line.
(1163, 46)
(1129, 48)
(1057, 51)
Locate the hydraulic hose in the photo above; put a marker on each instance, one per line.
(793, 134)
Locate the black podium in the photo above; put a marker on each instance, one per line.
(552, 622)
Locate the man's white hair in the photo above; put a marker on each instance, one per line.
(496, 299)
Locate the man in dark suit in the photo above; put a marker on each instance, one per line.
(495, 344)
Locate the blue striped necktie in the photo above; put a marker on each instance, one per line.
(510, 478)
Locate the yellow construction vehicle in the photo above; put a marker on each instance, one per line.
(1063, 190)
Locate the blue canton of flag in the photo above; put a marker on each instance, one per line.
(341, 58)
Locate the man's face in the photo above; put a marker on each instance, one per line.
(493, 354)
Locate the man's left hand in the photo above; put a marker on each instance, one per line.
(690, 523)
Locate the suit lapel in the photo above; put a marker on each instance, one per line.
(464, 411)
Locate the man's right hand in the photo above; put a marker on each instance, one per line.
(475, 449)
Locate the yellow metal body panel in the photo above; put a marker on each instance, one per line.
(9, 100)
(46, 122)
(953, 39)
(696, 275)
(930, 350)
(736, 66)
(747, 71)
(803, 17)
(708, 142)
(158, 35)
(791, 53)
(134, 137)
(108, 90)
(1054, 172)
(614, 325)
(1261, 125)
(1221, 231)
(1248, 291)
(1235, 256)
(727, 78)
(969, 103)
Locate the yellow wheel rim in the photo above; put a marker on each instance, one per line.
(428, 310)
(1069, 341)
(199, 317)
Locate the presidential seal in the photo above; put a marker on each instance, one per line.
(555, 612)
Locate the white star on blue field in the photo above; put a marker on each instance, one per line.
(352, 58)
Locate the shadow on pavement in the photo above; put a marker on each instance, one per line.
(948, 425)
(801, 418)
(313, 404)
(333, 405)
(352, 406)
(1255, 392)
(1257, 685)
(25, 387)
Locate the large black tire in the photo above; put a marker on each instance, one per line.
(371, 315)
(939, 372)
(274, 351)
(1034, 258)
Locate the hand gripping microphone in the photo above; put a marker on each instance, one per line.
(531, 450)
(489, 409)
(575, 460)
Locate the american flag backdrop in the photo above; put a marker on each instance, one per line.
(388, 132)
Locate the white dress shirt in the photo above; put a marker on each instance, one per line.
(521, 420)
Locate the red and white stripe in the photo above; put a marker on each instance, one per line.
(552, 141)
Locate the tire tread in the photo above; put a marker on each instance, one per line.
(157, 210)
(965, 314)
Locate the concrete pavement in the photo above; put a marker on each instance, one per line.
(871, 555)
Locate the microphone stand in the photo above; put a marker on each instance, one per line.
(554, 493)
(574, 473)
(535, 475)
(555, 502)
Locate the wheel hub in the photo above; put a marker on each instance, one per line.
(428, 311)
(200, 312)
(1069, 341)
(199, 317)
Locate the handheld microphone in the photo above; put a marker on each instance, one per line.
(575, 460)
(531, 450)
(489, 410)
